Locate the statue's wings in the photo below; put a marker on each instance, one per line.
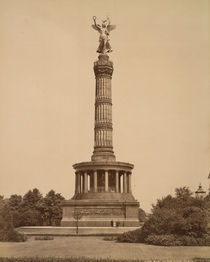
(111, 27)
(95, 27)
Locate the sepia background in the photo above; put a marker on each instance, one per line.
(161, 94)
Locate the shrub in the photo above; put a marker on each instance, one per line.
(195, 241)
(7, 231)
(131, 236)
(44, 238)
(163, 240)
(176, 240)
(12, 236)
(110, 238)
(182, 216)
(175, 221)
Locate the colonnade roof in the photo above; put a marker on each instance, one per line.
(109, 165)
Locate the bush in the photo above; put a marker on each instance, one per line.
(162, 240)
(7, 231)
(180, 220)
(12, 236)
(137, 236)
(193, 241)
(110, 238)
(134, 236)
(176, 240)
(44, 238)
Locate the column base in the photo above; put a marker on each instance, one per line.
(103, 156)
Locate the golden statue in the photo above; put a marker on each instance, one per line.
(104, 31)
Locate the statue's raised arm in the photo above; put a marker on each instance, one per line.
(104, 29)
(95, 26)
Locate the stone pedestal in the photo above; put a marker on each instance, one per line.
(100, 213)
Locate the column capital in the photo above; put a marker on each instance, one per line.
(103, 66)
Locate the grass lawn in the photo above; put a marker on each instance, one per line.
(96, 247)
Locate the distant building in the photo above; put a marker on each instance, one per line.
(200, 193)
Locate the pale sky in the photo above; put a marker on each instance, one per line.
(161, 93)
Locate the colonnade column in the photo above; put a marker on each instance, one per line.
(95, 181)
(129, 183)
(117, 181)
(78, 183)
(120, 183)
(106, 180)
(81, 182)
(85, 182)
(124, 182)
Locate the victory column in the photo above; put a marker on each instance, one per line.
(103, 196)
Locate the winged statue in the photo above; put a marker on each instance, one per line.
(104, 30)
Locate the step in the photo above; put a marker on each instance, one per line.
(72, 231)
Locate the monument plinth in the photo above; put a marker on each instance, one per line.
(103, 196)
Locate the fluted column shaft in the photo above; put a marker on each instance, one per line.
(103, 148)
(103, 112)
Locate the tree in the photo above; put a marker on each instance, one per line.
(7, 231)
(30, 208)
(51, 209)
(182, 215)
(15, 204)
(31, 198)
(142, 215)
(35, 210)
(25, 210)
(179, 220)
(183, 193)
